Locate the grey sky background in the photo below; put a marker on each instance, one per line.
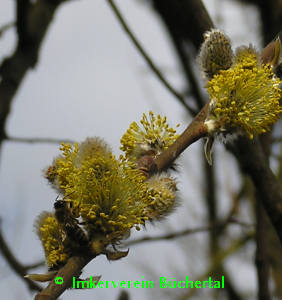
(90, 81)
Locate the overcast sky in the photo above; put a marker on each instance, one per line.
(90, 81)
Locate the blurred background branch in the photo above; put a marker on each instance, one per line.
(17, 267)
(147, 58)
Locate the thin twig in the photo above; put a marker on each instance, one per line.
(34, 265)
(147, 58)
(169, 236)
(15, 265)
(38, 140)
(195, 130)
(185, 60)
(219, 259)
(182, 233)
(6, 27)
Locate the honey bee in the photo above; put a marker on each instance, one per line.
(69, 223)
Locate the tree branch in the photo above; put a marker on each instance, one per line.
(188, 18)
(37, 140)
(72, 268)
(22, 11)
(262, 263)
(14, 68)
(147, 58)
(219, 259)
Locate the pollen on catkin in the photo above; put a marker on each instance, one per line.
(109, 195)
(215, 53)
(105, 197)
(73, 156)
(162, 191)
(244, 98)
(48, 231)
(154, 136)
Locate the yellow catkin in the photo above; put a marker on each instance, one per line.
(108, 196)
(154, 136)
(48, 230)
(245, 97)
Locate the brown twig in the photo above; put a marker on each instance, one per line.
(182, 53)
(191, 134)
(184, 232)
(189, 73)
(34, 265)
(72, 268)
(15, 265)
(147, 58)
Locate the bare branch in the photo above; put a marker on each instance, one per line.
(6, 27)
(38, 140)
(219, 259)
(15, 265)
(184, 232)
(147, 58)
(22, 9)
(14, 68)
(169, 236)
(35, 265)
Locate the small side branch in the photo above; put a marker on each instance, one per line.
(169, 236)
(185, 232)
(15, 265)
(192, 133)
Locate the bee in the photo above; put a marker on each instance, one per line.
(69, 223)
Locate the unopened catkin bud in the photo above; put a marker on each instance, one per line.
(215, 53)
